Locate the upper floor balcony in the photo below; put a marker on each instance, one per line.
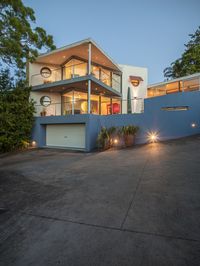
(76, 62)
(73, 69)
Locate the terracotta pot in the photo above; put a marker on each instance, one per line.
(129, 140)
(106, 144)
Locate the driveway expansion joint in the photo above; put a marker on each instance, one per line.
(110, 227)
(134, 194)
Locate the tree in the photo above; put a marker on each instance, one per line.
(16, 113)
(189, 63)
(19, 41)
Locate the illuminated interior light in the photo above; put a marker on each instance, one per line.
(152, 137)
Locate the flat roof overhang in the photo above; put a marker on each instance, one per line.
(159, 84)
(79, 49)
(80, 84)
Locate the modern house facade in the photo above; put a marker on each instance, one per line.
(81, 79)
(78, 88)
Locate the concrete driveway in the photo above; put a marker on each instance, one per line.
(137, 206)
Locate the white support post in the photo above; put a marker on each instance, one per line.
(73, 102)
(199, 83)
(89, 92)
(89, 72)
(89, 57)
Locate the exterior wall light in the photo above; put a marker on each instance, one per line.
(135, 80)
(152, 137)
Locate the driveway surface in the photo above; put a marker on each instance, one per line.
(138, 206)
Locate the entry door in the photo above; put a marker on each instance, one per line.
(68, 136)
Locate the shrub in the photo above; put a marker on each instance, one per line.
(16, 114)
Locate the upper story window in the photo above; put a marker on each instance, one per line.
(45, 72)
(45, 101)
(75, 68)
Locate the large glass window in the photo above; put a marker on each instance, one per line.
(191, 85)
(172, 87)
(105, 105)
(106, 77)
(75, 68)
(96, 71)
(77, 102)
(116, 82)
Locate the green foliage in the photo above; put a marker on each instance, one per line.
(107, 135)
(18, 39)
(129, 130)
(189, 63)
(16, 113)
(103, 138)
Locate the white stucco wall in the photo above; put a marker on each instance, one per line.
(139, 92)
(53, 109)
(36, 79)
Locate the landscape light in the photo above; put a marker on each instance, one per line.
(193, 125)
(115, 141)
(33, 143)
(152, 136)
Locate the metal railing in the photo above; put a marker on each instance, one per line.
(79, 106)
(75, 71)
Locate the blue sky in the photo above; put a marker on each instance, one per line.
(135, 32)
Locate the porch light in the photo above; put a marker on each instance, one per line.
(152, 137)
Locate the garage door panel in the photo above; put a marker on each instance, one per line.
(69, 136)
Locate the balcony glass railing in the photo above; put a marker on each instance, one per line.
(78, 70)
(79, 106)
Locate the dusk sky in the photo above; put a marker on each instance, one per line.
(140, 33)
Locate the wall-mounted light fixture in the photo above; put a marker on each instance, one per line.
(135, 80)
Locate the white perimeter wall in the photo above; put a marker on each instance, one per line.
(140, 91)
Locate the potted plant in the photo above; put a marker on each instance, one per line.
(128, 133)
(44, 112)
(103, 139)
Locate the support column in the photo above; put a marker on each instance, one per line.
(89, 93)
(99, 104)
(111, 107)
(199, 83)
(73, 102)
(89, 57)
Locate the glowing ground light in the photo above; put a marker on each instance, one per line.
(115, 141)
(193, 125)
(33, 143)
(152, 136)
